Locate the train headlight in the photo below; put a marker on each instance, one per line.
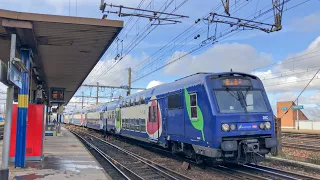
(225, 127)
(267, 125)
(261, 126)
(232, 127)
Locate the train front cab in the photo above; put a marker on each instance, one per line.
(243, 119)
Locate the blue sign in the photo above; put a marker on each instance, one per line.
(297, 107)
(15, 76)
(14, 73)
(284, 109)
(247, 126)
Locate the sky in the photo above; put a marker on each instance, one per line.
(285, 60)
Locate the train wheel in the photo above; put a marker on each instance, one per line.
(198, 159)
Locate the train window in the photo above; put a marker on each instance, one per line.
(142, 100)
(123, 103)
(123, 123)
(137, 102)
(193, 106)
(150, 115)
(132, 124)
(142, 125)
(127, 124)
(175, 101)
(154, 114)
(127, 103)
(113, 115)
(118, 115)
(137, 125)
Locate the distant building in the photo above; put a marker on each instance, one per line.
(288, 120)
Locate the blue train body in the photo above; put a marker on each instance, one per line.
(221, 116)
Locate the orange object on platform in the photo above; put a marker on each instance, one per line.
(35, 132)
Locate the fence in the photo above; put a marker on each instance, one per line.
(308, 125)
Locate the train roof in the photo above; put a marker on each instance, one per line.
(185, 82)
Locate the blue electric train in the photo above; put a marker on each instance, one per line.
(224, 117)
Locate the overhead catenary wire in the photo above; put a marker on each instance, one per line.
(99, 76)
(120, 35)
(203, 29)
(177, 37)
(184, 55)
(195, 50)
(301, 92)
(134, 42)
(142, 34)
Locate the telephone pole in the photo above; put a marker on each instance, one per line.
(82, 100)
(97, 100)
(129, 82)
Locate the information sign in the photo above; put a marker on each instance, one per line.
(57, 95)
(297, 107)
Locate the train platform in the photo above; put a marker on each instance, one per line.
(301, 131)
(64, 158)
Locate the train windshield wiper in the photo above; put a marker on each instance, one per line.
(236, 96)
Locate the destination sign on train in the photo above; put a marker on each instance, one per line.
(235, 82)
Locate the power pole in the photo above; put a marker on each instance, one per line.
(298, 113)
(97, 100)
(129, 82)
(82, 99)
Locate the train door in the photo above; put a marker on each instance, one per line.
(81, 119)
(154, 126)
(102, 124)
(118, 119)
(164, 113)
(175, 123)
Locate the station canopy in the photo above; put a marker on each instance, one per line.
(65, 49)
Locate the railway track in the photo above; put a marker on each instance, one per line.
(128, 164)
(250, 172)
(258, 172)
(302, 135)
(303, 142)
(301, 146)
(273, 173)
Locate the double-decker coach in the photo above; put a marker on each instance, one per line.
(216, 116)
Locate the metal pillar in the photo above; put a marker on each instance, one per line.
(97, 100)
(4, 173)
(20, 158)
(298, 114)
(129, 82)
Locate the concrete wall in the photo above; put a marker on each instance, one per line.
(308, 125)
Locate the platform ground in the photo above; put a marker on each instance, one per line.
(64, 158)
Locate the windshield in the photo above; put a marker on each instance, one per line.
(235, 101)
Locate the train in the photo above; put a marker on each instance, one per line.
(221, 117)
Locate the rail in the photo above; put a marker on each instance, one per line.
(251, 171)
(136, 166)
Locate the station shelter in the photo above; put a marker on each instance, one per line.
(50, 53)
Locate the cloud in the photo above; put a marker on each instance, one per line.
(307, 23)
(115, 76)
(154, 84)
(294, 72)
(223, 57)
